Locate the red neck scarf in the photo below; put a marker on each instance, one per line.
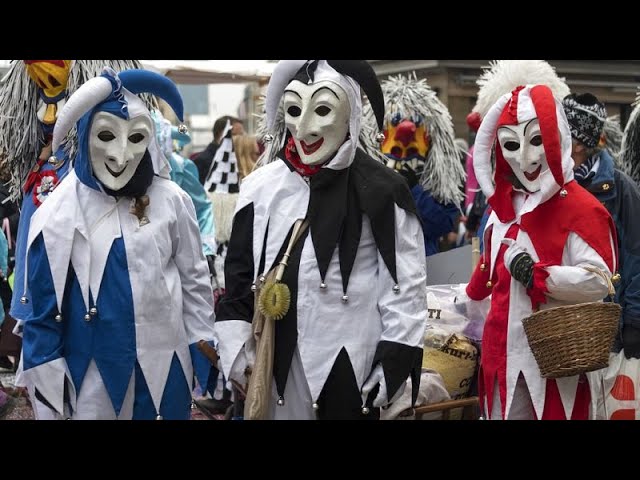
(291, 153)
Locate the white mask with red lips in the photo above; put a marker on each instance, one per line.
(523, 150)
(317, 116)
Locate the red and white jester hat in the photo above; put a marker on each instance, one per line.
(522, 105)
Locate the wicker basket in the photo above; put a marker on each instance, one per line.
(573, 339)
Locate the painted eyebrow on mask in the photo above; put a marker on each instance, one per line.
(325, 88)
(293, 91)
(527, 125)
(504, 127)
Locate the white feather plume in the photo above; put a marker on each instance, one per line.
(502, 76)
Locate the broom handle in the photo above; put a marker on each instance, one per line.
(298, 228)
(612, 289)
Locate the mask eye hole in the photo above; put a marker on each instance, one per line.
(536, 141)
(512, 146)
(396, 152)
(136, 138)
(52, 81)
(294, 111)
(106, 136)
(323, 110)
(411, 151)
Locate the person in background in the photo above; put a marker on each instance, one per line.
(247, 153)
(204, 159)
(596, 172)
(419, 143)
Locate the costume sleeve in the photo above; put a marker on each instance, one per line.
(197, 294)
(437, 219)
(43, 337)
(477, 288)
(202, 204)
(571, 282)
(235, 311)
(629, 237)
(403, 311)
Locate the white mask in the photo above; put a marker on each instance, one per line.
(317, 116)
(116, 147)
(523, 150)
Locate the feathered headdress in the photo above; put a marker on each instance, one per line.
(21, 134)
(502, 76)
(443, 172)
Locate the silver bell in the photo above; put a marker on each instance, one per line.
(315, 406)
(345, 298)
(262, 279)
(159, 417)
(93, 311)
(380, 137)
(87, 317)
(58, 318)
(268, 138)
(280, 402)
(253, 287)
(323, 286)
(396, 288)
(24, 300)
(563, 193)
(183, 128)
(365, 410)
(53, 160)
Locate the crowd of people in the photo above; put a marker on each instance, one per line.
(284, 273)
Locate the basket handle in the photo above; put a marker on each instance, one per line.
(607, 279)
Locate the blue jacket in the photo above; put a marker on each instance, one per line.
(437, 219)
(621, 196)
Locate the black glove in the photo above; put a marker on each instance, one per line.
(631, 341)
(521, 269)
(411, 177)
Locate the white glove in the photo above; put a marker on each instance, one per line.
(238, 368)
(377, 377)
(512, 252)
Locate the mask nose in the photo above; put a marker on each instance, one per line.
(529, 159)
(406, 132)
(119, 157)
(307, 129)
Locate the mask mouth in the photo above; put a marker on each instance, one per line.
(533, 175)
(314, 147)
(116, 174)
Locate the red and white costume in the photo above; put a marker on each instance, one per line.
(563, 228)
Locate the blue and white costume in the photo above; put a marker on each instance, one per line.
(118, 309)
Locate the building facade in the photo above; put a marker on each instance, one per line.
(615, 82)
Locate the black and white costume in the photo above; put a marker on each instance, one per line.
(353, 333)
